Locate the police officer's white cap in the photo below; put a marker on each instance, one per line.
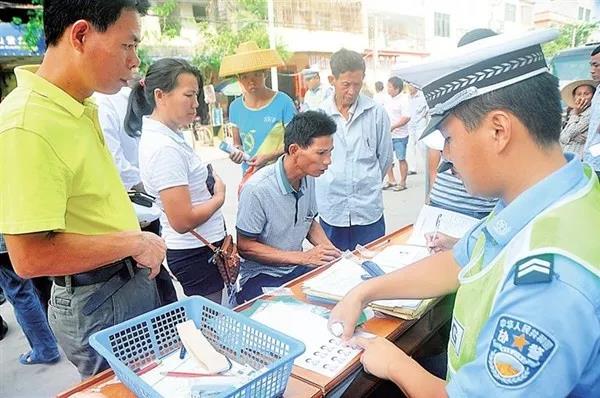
(475, 69)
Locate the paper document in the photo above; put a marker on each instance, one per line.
(344, 275)
(325, 353)
(451, 223)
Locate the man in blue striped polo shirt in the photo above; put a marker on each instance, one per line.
(277, 209)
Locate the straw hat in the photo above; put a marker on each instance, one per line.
(567, 91)
(248, 58)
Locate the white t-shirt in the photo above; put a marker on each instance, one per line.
(167, 161)
(418, 114)
(397, 107)
(111, 114)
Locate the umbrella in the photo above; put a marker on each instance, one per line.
(229, 87)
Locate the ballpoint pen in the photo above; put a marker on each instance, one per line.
(437, 228)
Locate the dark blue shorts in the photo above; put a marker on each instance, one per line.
(192, 268)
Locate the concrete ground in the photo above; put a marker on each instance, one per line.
(16, 380)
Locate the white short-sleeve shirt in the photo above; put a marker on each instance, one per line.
(167, 161)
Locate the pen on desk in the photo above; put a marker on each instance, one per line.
(193, 374)
(147, 368)
(182, 352)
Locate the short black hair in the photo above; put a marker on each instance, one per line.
(595, 51)
(60, 14)
(534, 101)
(305, 126)
(396, 82)
(161, 75)
(346, 61)
(378, 86)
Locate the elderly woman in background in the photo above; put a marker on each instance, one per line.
(578, 97)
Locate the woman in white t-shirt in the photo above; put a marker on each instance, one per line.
(171, 171)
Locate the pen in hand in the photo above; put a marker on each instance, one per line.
(437, 228)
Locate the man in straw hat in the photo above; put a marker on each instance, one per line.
(349, 194)
(499, 112)
(260, 114)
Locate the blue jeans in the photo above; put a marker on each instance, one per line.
(29, 311)
(253, 286)
(346, 238)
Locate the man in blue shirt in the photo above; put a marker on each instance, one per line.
(277, 210)
(349, 194)
(499, 112)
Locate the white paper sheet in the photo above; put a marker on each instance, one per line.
(451, 223)
(325, 353)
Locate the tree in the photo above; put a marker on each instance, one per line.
(169, 26)
(221, 39)
(34, 28)
(571, 35)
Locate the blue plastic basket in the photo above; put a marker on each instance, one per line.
(133, 344)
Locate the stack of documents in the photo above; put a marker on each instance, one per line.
(335, 282)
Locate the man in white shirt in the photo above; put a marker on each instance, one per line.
(123, 147)
(317, 92)
(398, 112)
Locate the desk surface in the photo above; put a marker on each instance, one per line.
(409, 335)
(106, 385)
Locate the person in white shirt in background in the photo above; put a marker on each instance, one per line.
(317, 91)
(380, 97)
(123, 147)
(398, 111)
(416, 150)
(112, 110)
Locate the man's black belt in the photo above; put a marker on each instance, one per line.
(113, 277)
(98, 275)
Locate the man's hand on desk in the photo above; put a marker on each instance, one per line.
(320, 255)
(151, 252)
(439, 242)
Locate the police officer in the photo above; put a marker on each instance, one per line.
(526, 320)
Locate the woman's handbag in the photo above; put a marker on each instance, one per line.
(225, 257)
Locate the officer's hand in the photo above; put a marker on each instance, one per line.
(440, 243)
(320, 255)
(380, 356)
(237, 157)
(345, 313)
(151, 252)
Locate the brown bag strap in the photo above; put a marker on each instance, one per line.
(207, 243)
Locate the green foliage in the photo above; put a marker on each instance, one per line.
(34, 28)
(571, 35)
(169, 25)
(145, 59)
(222, 39)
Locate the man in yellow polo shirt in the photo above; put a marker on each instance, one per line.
(63, 209)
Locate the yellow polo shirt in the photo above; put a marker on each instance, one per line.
(56, 172)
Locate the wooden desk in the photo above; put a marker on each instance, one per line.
(106, 385)
(408, 335)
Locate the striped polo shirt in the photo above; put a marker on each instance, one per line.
(275, 214)
(448, 192)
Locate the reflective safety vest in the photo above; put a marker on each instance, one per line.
(567, 228)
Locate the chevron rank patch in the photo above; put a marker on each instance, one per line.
(535, 269)
(518, 352)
